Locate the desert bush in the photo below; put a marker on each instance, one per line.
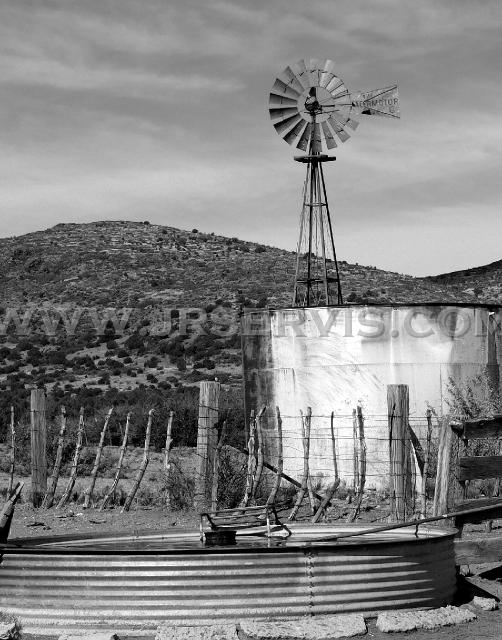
(231, 478)
(181, 488)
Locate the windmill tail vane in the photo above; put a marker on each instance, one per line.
(312, 109)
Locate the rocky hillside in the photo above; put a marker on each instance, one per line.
(139, 264)
(64, 294)
(483, 282)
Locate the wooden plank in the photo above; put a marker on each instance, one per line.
(478, 467)
(482, 428)
(490, 587)
(38, 446)
(475, 518)
(478, 551)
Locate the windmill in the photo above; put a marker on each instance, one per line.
(311, 107)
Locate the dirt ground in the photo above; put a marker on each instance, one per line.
(29, 522)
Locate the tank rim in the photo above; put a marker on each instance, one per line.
(46, 545)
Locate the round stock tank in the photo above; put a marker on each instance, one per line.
(334, 359)
(133, 584)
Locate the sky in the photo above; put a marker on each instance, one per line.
(157, 110)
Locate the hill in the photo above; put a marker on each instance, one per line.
(133, 263)
(484, 282)
(96, 309)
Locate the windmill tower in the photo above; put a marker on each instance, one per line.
(311, 108)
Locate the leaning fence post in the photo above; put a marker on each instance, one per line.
(142, 467)
(94, 474)
(259, 452)
(251, 460)
(74, 467)
(167, 458)
(38, 446)
(306, 422)
(207, 435)
(216, 467)
(336, 482)
(280, 459)
(426, 464)
(49, 496)
(361, 466)
(120, 462)
(399, 451)
(355, 446)
(12, 450)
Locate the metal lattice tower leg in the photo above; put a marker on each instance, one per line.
(317, 279)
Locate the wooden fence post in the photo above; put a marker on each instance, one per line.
(12, 451)
(167, 458)
(425, 471)
(216, 467)
(74, 467)
(251, 465)
(111, 490)
(399, 452)
(306, 424)
(94, 474)
(336, 482)
(355, 447)
(444, 493)
(142, 467)
(207, 438)
(38, 446)
(280, 459)
(259, 452)
(361, 456)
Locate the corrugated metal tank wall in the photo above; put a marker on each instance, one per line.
(332, 359)
(52, 589)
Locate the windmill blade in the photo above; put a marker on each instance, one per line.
(334, 84)
(276, 100)
(344, 121)
(329, 138)
(315, 67)
(342, 92)
(291, 80)
(305, 138)
(278, 113)
(378, 102)
(327, 74)
(302, 75)
(286, 124)
(338, 129)
(281, 87)
(291, 136)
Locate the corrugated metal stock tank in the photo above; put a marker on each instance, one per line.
(333, 358)
(132, 584)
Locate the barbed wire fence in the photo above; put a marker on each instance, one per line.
(313, 466)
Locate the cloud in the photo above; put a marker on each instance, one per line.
(116, 108)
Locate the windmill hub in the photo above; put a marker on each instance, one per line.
(311, 108)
